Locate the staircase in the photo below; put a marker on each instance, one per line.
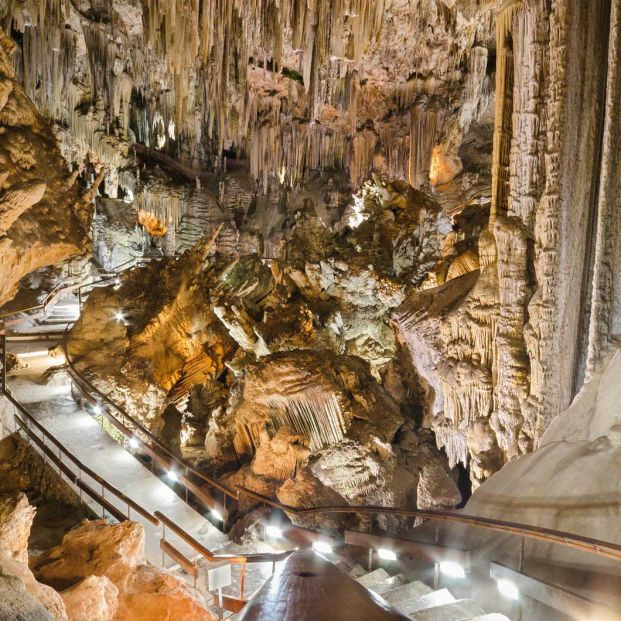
(64, 313)
(419, 602)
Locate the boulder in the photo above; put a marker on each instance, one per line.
(92, 599)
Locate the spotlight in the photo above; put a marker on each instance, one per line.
(508, 589)
(386, 555)
(134, 444)
(273, 532)
(217, 515)
(172, 475)
(452, 569)
(97, 409)
(119, 316)
(322, 547)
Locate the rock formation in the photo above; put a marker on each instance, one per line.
(42, 221)
(383, 237)
(98, 572)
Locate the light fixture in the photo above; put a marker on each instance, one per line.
(452, 569)
(386, 555)
(273, 532)
(322, 547)
(97, 409)
(217, 515)
(119, 315)
(508, 589)
(172, 475)
(133, 443)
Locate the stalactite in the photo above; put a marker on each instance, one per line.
(312, 414)
(423, 131)
(504, 107)
(606, 300)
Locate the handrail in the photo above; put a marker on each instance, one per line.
(47, 301)
(82, 467)
(260, 557)
(586, 544)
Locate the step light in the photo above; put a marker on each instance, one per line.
(119, 316)
(273, 532)
(452, 569)
(97, 409)
(172, 475)
(386, 555)
(508, 589)
(322, 547)
(133, 443)
(217, 515)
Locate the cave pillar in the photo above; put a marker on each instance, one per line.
(504, 107)
(605, 319)
(424, 122)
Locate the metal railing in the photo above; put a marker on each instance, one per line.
(190, 565)
(54, 451)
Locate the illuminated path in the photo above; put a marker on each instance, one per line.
(52, 405)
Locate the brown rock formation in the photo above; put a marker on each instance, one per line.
(41, 221)
(99, 560)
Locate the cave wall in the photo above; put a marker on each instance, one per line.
(42, 219)
(510, 354)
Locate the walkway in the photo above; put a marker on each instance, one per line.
(52, 405)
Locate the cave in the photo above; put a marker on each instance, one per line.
(310, 309)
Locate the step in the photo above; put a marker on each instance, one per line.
(357, 571)
(389, 584)
(430, 600)
(459, 610)
(407, 592)
(374, 577)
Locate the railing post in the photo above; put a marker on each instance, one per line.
(103, 495)
(370, 559)
(220, 610)
(225, 516)
(242, 580)
(163, 539)
(436, 575)
(520, 602)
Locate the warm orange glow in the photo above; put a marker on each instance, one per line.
(443, 168)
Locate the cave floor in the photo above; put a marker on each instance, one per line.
(55, 409)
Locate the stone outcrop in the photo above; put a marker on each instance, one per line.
(17, 603)
(103, 565)
(92, 599)
(97, 573)
(17, 581)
